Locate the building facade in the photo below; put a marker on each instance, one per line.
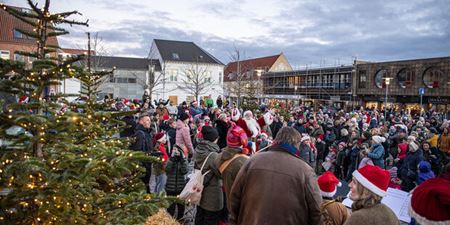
(408, 80)
(319, 86)
(130, 77)
(185, 67)
(243, 77)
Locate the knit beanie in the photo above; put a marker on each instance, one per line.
(236, 137)
(158, 137)
(378, 139)
(413, 146)
(209, 133)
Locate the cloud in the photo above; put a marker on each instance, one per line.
(307, 31)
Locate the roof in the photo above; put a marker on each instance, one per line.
(264, 63)
(183, 51)
(76, 51)
(9, 23)
(124, 63)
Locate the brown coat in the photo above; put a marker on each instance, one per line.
(375, 215)
(337, 212)
(275, 187)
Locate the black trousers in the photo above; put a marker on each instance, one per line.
(171, 209)
(205, 217)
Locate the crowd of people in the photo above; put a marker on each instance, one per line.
(279, 165)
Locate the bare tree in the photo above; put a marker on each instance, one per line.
(239, 78)
(153, 80)
(196, 80)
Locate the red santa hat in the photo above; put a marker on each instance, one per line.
(430, 202)
(305, 138)
(327, 184)
(158, 137)
(266, 119)
(373, 178)
(248, 113)
(235, 114)
(23, 99)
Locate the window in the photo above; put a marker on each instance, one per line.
(175, 56)
(17, 34)
(173, 76)
(379, 78)
(405, 78)
(132, 80)
(18, 57)
(362, 79)
(432, 76)
(4, 54)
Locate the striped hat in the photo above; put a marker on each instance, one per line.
(236, 137)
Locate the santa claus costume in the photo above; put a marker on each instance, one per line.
(265, 121)
(253, 129)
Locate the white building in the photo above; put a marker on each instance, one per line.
(182, 63)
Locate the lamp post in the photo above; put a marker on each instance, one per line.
(387, 81)
(259, 73)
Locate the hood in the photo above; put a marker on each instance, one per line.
(204, 147)
(180, 124)
(424, 167)
(228, 153)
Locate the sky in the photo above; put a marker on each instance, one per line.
(309, 32)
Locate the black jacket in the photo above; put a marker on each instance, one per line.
(275, 127)
(222, 129)
(175, 169)
(131, 126)
(143, 140)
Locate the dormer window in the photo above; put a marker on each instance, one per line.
(175, 56)
(17, 34)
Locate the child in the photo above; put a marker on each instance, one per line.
(425, 172)
(159, 141)
(333, 212)
(339, 164)
(365, 160)
(328, 165)
(395, 181)
(176, 169)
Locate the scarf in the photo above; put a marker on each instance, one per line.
(288, 148)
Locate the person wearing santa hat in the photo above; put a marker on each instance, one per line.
(158, 177)
(265, 121)
(306, 152)
(253, 129)
(367, 188)
(430, 201)
(333, 212)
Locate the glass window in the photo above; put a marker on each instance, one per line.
(18, 57)
(432, 77)
(17, 34)
(131, 80)
(405, 78)
(362, 79)
(379, 78)
(4, 54)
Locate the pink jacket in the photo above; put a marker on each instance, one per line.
(183, 137)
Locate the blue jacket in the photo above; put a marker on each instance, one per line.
(195, 111)
(377, 155)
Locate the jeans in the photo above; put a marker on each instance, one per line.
(158, 183)
(205, 217)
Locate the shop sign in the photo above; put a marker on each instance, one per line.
(438, 100)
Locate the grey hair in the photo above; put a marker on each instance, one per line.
(289, 136)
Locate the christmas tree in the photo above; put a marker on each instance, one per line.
(62, 166)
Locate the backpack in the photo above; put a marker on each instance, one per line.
(327, 220)
(225, 164)
(192, 192)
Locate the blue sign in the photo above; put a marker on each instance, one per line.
(421, 91)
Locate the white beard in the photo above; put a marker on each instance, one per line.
(253, 126)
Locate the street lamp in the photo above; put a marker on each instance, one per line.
(259, 73)
(387, 81)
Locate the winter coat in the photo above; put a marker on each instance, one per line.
(433, 141)
(330, 137)
(444, 143)
(307, 154)
(171, 137)
(183, 137)
(317, 132)
(275, 127)
(425, 172)
(131, 126)
(408, 170)
(176, 169)
(143, 141)
(364, 162)
(222, 129)
(229, 174)
(212, 197)
(219, 103)
(173, 110)
(195, 111)
(321, 150)
(377, 155)
(300, 128)
(375, 215)
(280, 176)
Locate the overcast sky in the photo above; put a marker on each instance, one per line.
(310, 32)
